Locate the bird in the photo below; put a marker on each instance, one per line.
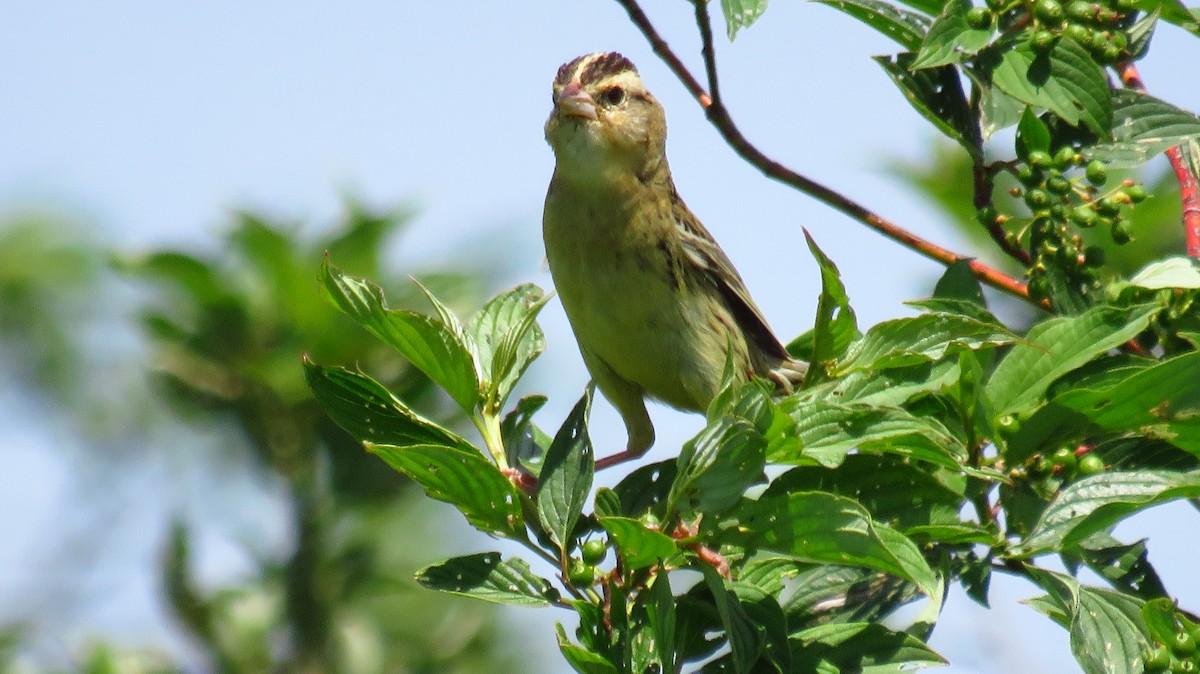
(657, 308)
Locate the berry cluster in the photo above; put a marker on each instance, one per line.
(1064, 200)
(582, 571)
(1099, 26)
(1176, 650)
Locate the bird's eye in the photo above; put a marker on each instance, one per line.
(614, 95)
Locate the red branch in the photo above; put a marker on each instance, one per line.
(1189, 189)
(720, 118)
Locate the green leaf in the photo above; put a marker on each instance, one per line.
(488, 577)
(506, 338)
(746, 637)
(825, 528)
(928, 337)
(1176, 271)
(1066, 80)
(646, 489)
(741, 13)
(1141, 32)
(1161, 401)
(1032, 134)
(524, 443)
(937, 94)
(1057, 346)
(717, 466)
(884, 388)
(959, 283)
(950, 39)
(1127, 567)
(658, 602)
(638, 546)
(1174, 11)
(370, 413)
(581, 659)
(866, 647)
(837, 594)
(1144, 127)
(464, 479)
(1108, 634)
(566, 477)
(997, 110)
(1099, 501)
(836, 325)
(907, 28)
(893, 489)
(432, 346)
(828, 432)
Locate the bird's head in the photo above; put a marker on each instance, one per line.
(605, 123)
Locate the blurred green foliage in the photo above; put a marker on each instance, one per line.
(226, 331)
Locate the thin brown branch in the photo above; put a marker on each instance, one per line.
(984, 183)
(720, 118)
(1189, 189)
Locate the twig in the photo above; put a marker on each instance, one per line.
(1189, 190)
(720, 118)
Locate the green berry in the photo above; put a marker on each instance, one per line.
(594, 551)
(1037, 199)
(1157, 659)
(581, 573)
(1122, 232)
(980, 18)
(1109, 53)
(1060, 212)
(1136, 193)
(1108, 206)
(1029, 176)
(997, 5)
(1084, 216)
(1048, 11)
(1058, 184)
(986, 215)
(1065, 157)
(1094, 256)
(1127, 6)
(1184, 666)
(1077, 32)
(1090, 464)
(1040, 158)
(1097, 172)
(1120, 39)
(1043, 41)
(1183, 644)
(1009, 424)
(1063, 457)
(1080, 10)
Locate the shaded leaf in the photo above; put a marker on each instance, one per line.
(566, 476)
(836, 325)
(1144, 127)
(488, 577)
(937, 94)
(370, 413)
(464, 479)
(716, 467)
(822, 527)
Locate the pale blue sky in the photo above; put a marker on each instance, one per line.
(151, 119)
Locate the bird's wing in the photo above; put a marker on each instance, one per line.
(703, 252)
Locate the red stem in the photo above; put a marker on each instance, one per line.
(1189, 189)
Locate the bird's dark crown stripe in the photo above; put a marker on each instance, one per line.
(592, 68)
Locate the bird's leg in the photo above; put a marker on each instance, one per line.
(639, 427)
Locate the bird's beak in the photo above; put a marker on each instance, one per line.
(573, 101)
